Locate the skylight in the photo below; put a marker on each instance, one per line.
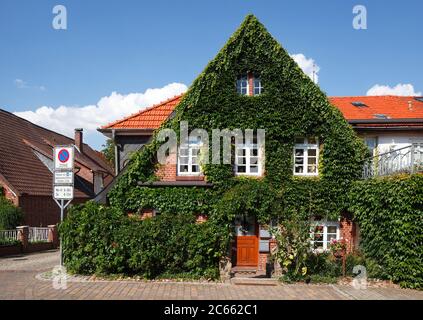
(380, 116)
(420, 99)
(358, 104)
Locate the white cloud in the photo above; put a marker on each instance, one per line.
(399, 90)
(21, 84)
(308, 65)
(64, 119)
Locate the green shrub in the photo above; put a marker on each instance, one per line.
(10, 215)
(323, 264)
(316, 278)
(104, 240)
(389, 212)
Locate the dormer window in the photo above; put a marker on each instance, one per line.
(249, 84)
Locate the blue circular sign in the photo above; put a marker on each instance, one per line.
(63, 155)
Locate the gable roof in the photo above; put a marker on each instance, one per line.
(23, 143)
(150, 118)
(394, 107)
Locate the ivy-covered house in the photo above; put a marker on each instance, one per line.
(302, 167)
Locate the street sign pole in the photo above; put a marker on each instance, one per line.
(62, 205)
(63, 182)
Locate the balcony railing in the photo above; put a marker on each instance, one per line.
(404, 160)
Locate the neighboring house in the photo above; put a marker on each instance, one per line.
(252, 84)
(26, 164)
(385, 123)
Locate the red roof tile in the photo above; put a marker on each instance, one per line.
(150, 118)
(394, 107)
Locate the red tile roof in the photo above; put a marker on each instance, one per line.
(394, 107)
(150, 118)
(20, 140)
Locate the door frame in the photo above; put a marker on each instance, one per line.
(235, 247)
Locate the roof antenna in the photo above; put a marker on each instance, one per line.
(314, 72)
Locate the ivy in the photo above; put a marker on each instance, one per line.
(389, 212)
(290, 106)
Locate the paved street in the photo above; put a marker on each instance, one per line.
(18, 280)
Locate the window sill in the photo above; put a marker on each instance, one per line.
(189, 178)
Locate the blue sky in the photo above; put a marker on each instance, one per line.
(130, 46)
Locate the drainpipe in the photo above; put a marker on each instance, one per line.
(116, 152)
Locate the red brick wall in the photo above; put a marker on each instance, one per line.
(41, 210)
(348, 231)
(167, 172)
(262, 260)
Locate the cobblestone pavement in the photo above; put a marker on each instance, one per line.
(18, 280)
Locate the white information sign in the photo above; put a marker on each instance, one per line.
(63, 192)
(63, 177)
(63, 158)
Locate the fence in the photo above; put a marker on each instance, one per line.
(8, 235)
(38, 234)
(27, 239)
(404, 160)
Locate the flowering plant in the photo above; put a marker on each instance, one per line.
(337, 246)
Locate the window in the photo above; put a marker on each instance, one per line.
(322, 233)
(188, 159)
(247, 158)
(371, 143)
(242, 85)
(244, 82)
(258, 89)
(306, 156)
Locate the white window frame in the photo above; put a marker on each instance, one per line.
(190, 146)
(248, 147)
(247, 93)
(325, 224)
(260, 87)
(306, 147)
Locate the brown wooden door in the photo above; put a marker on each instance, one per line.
(246, 242)
(247, 251)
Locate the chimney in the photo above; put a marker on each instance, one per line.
(79, 142)
(410, 105)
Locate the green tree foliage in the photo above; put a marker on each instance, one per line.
(10, 215)
(389, 212)
(109, 152)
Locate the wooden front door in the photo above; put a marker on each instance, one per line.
(246, 241)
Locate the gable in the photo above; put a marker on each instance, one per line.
(290, 106)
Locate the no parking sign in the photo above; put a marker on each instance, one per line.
(63, 158)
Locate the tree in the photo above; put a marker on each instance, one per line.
(109, 151)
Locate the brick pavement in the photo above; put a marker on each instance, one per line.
(21, 282)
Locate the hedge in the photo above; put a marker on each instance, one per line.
(10, 215)
(104, 240)
(389, 212)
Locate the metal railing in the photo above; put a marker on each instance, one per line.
(404, 160)
(38, 234)
(8, 235)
